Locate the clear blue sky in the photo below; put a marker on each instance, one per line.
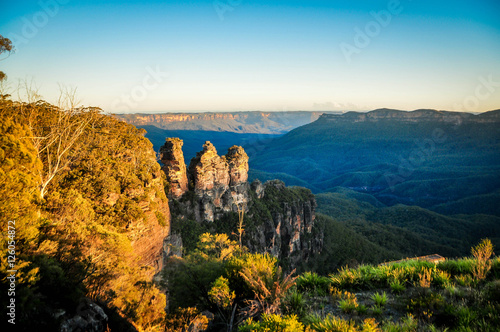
(231, 55)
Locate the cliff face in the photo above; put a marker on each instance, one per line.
(286, 231)
(238, 122)
(148, 235)
(277, 220)
(174, 167)
(147, 232)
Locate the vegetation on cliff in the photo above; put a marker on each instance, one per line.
(83, 189)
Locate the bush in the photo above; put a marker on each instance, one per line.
(294, 304)
(221, 294)
(492, 291)
(426, 304)
(348, 305)
(441, 278)
(379, 299)
(482, 253)
(464, 280)
(397, 287)
(457, 266)
(267, 282)
(370, 325)
(407, 324)
(273, 323)
(188, 319)
(329, 324)
(312, 282)
(376, 310)
(425, 278)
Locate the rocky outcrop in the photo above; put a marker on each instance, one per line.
(277, 219)
(89, 317)
(286, 233)
(237, 161)
(174, 167)
(208, 171)
(219, 182)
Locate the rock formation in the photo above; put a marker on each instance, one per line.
(219, 182)
(286, 232)
(208, 171)
(89, 317)
(237, 161)
(174, 167)
(279, 219)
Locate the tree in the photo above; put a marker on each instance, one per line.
(5, 46)
(55, 131)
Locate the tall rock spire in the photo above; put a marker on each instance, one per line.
(207, 170)
(237, 161)
(174, 166)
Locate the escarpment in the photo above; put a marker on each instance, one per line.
(275, 219)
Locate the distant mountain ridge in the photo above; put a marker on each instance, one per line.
(254, 122)
(433, 159)
(413, 116)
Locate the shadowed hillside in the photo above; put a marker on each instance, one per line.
(429, 158)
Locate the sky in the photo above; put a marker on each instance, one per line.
(241, 55)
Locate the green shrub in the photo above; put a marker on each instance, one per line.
(426, 304)
(379, 299)
(221, 294)
(407, 324)
(269, 285)
(273, 323)
(457, 266)
(495, 268)
(312, 282)
(441, 278)
(397, 287)
(376, 310)
(294, 303)
(464, 280)
(329, 324)
(348, 305)
(361, 309)
(492, 291)
(466, 316)
(347, 301)
(453, 291)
